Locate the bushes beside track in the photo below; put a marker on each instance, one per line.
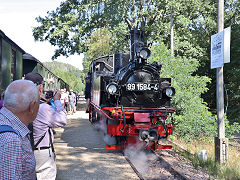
(194, 120)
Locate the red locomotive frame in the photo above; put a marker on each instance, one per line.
(142, 119)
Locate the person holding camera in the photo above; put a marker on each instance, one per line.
(51, 114)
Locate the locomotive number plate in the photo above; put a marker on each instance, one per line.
(141, 87)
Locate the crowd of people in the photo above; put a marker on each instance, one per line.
(69, 99)
(28, 116)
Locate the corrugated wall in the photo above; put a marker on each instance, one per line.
(19, 67)
(6, 63)
(6, 60)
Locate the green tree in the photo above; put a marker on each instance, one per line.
(103, 42)
(68, 73)
(71, 26)
(64, 68)
(71, 79)
(232, 70)
(193, 120)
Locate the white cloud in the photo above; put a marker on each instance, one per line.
(17, 18)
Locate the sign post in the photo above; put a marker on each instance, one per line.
(217, 61)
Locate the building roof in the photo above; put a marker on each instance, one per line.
(2, 34)
(28, 56)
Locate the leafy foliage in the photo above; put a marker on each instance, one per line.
(103, 42)
(232, 76)
(96, 27)
(231, 72)
(193, 119)
(70, 74)
(71, 25)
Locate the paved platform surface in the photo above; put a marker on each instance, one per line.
(81, 154)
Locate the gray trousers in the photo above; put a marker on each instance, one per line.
(46, 168)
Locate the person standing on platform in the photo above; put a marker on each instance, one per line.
(21, 104)
(62, 99)
(88, 81)
(66, 99)
(72, 101)
(51, 115)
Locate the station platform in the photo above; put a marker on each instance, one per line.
(81, 154)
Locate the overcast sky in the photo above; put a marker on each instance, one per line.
(17, 18)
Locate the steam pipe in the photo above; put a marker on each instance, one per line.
(124, 119)
(166, 129)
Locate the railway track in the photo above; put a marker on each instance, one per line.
(162, 164)
(151, 165)
(134, 168)
(166, 159)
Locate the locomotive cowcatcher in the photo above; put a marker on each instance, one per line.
(130, 99)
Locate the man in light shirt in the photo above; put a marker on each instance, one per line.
(21, 104)
(51, 115)
(64, 99)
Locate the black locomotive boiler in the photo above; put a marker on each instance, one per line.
(130, 97)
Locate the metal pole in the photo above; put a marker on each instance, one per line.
(220, 141)
(172, 48)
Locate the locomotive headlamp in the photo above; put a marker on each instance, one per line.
(144, 53)
(111, 88)
(169, 91)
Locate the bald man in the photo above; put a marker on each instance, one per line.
(21, 104)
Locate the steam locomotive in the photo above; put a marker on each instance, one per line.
(130, 98)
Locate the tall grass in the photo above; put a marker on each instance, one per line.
(228, 171)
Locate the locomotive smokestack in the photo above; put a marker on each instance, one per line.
(136, 42)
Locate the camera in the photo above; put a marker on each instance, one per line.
(49, 95)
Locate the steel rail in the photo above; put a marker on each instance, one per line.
(133, 167)
(174, 170)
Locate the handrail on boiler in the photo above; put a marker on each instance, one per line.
(163, 110)
(99, 109)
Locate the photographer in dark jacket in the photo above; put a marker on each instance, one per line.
(88, 81)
